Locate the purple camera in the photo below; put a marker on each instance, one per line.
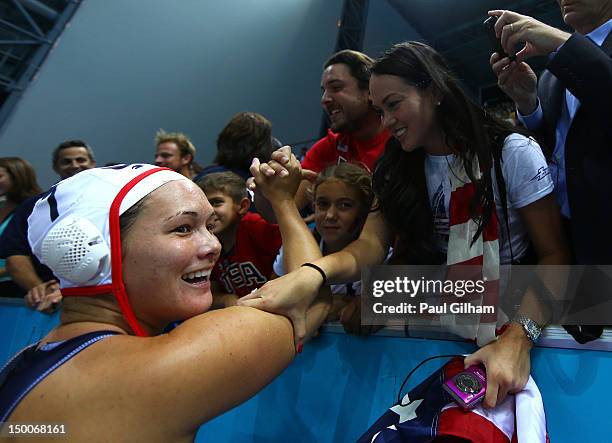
(467, 387)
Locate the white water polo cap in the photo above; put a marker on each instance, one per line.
(76, 251)
(74, 228)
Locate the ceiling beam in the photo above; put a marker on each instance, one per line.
(40, 9)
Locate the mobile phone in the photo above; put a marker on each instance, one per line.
(467, 387)
(489, 25)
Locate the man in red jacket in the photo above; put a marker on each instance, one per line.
(356, 133)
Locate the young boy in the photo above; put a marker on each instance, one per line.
(249, 243)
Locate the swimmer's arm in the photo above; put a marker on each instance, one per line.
(299, 245)
(216, 361)
(264, 207)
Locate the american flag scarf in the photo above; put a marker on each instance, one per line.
(461, 252)
(427, 413)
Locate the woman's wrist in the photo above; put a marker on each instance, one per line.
(283, 205)
(314, 275)
(318, 269)
(517, 334)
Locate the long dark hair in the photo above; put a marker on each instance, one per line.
(399, 178)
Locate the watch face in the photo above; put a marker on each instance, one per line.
(468, 383)
(532, 330)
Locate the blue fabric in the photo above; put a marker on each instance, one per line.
(28, 368)
(14, 240)
(415, 419)
(3, 261)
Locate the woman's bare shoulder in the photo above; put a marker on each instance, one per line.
(203, 367)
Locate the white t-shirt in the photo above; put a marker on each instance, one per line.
(526, 177)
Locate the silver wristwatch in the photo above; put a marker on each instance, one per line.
(532, 329)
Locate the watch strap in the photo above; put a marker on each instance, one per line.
(531, 328)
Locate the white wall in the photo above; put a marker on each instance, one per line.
(124, 68)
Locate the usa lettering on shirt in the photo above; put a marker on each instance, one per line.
(237, 276)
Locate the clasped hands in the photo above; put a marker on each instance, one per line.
(507, 360)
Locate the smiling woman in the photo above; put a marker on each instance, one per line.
(133, 259)
(168, 245)
(454, 185)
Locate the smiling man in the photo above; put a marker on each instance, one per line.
(69, 158)
(72, 157)
(356, 133)
(174, 150)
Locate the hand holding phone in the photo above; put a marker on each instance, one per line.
(467, 387)
(489, 25)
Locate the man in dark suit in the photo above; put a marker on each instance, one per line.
(570, 111)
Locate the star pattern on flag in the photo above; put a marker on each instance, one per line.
(392, 427)
(408, 410)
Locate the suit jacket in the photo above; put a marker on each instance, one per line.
(586, 71)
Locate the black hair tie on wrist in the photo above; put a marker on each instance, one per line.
(313, 266)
